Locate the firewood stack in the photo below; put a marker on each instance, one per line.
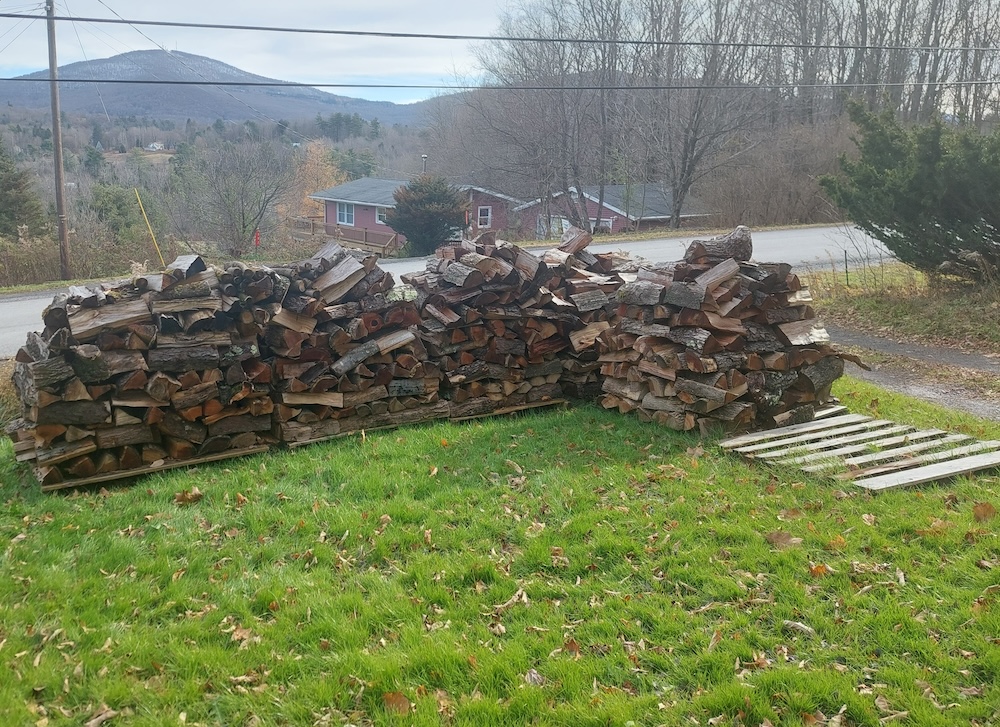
(510, 329)
(197, 363)
(717, 342)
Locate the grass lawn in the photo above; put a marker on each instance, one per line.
(563, 567)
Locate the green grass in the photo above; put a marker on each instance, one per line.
(905, 302)
(620, 568)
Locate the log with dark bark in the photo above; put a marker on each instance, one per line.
(736, 244)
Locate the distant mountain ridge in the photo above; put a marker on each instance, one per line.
(200, 103)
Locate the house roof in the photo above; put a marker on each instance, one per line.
(367, 190)
(635, 201)
(378, 192)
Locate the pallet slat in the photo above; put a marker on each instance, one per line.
(909, 462)
(929, 473)
(803, 440)
(794, 429)
(936, 434)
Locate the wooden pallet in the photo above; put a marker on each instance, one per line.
(162, 467)
(877, 454)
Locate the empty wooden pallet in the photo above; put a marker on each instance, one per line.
(877, 454)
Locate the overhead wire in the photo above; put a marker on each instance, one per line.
(511, 87)
(27, 24)
(84, 52)
(512, 38)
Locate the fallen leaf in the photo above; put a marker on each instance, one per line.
(781, 539)
(800, 627)
(789, 514)
(18, 538)
(534, 678)
(188, 497)
(515, 466)
(882, 704)
(102, 715)
(572, 648)
(983, 511)
(396, 702)
(433, 472)
(819, 570)
(868, 519)
(534, 530)
(715, 640)
(427, 537)
(837, 543)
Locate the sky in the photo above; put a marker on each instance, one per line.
(284, 56)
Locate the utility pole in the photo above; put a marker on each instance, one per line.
(64, 269)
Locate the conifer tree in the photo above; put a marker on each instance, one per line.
(19, 203)
(428, 211)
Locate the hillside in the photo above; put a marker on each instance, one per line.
(200, 103)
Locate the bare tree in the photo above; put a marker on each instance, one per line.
(231, 190)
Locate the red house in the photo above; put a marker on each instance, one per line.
(356, 211)
(626, 207)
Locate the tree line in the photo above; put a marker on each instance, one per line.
(711, 91)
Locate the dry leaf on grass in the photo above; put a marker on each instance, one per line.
(396, 702)
(534, 678)
(188, 497)
(799, 626)
(868, 519)
(102, 715)
(983, 511)
(781, 539)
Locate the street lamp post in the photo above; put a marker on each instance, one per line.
(423, 158)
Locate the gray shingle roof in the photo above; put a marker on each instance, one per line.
(366, 190)
(646, 201)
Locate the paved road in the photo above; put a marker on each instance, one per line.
(812, 247)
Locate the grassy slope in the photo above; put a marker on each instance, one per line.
(902, 302)
(350, 579)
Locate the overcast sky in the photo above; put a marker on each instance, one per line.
(285, 56)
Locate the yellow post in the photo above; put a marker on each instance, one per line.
(149, 227)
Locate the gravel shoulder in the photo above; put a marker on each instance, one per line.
(945, 375)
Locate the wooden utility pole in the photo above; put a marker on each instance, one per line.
(64, 267)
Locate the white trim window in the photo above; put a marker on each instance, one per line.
(380, 215)
(484, 218)
(345, 213)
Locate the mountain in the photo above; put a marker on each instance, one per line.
(200, 103)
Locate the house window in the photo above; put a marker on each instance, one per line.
(345, 213)
(484, 218)
(380, 215)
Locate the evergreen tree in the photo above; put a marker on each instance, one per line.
(928, 193)
(19, 204)
(428, 211)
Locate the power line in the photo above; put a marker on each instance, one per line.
(518, 39)
(484, 87)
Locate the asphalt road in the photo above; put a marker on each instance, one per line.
(816, 247)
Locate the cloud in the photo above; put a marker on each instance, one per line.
(307, 58)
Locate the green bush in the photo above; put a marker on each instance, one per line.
(928, 193)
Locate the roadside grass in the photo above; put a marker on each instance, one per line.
(893, 298)
(559, 567)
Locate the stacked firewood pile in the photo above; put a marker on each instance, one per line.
(510, 329)
(716, 341)
(197, 363)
